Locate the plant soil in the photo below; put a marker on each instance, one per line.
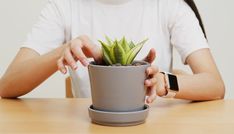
(133, 64)
(118, 64)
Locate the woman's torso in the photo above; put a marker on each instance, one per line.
(136, 20)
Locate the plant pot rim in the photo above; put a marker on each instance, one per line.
(92, 64)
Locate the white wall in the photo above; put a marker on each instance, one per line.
(219, 20)
(16, 20)
(18, 16)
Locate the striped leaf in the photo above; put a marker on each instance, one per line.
(124, 44)
(131, 55)
(119, 53)
(106, 57)
(131, 45)
(109, 41)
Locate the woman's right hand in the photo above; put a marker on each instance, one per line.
(79, 49)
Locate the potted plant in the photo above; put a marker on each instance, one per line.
(118, 84)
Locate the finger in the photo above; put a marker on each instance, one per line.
(161, 89)
(148, 91)
(152, 70)
(152, 95)
(61, 66)
(93, 49)
(150, 82)
(69, 59)
(151, 56)
(75, 58)
(78, 53)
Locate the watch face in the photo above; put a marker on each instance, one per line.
(173, 83)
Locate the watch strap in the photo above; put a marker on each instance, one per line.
(170, 94)
(171, 85)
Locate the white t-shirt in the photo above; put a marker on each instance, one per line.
(166, 23)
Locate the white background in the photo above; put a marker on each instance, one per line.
(18, 16)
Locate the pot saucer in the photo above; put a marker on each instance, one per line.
(118, 119)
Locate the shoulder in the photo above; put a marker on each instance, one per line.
(168, 9)
(172, 9)
(170, 4)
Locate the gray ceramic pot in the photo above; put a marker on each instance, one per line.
(118, 88)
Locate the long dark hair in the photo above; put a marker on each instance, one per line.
(192, 4)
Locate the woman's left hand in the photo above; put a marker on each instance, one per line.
(155, 83)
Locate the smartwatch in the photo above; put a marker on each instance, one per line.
(172, 86)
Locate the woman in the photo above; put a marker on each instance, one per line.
(67, 31)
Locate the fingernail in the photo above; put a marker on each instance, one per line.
(149, 101)
(86, 62)
(147, 82)
(148, 71)
(74, 67)
(63, 71)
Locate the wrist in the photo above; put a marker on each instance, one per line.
(171, 85)
(58, 53)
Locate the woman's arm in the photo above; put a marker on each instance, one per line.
(27, 71)
(205, 83)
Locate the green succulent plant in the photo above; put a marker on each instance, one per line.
(120, 51)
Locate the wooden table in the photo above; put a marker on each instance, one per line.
(71, 116)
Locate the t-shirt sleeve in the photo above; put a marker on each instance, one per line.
(48, 33)
(186, 33)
